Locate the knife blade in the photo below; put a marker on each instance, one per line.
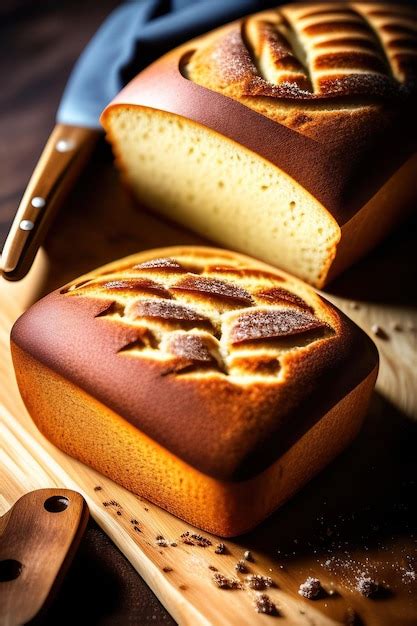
(133, 35)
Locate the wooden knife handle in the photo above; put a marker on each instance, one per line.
(62, 160)
(39, 536)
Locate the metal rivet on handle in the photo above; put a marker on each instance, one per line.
(26, 225)
(65, 145)
(38, 202)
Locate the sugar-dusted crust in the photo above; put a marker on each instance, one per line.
(324, 137)
(313, 51)
(220, 359)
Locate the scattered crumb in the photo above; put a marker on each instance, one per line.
(98, 488)
(137, 529)
(167, 569)
(259, 582)
(241, 567)
(247, 555)
(378, 331)
(161, 541)
(192, 539)
(183, 587)
(221, 549)
(311, 588)
(115, 504)
(264, 604)
(134, 522)
(367, 586)
(213, 569)
(409, 575)
(226, 583)
(145, 508)
(173, 544)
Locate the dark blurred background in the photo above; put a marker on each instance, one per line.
(39, 43)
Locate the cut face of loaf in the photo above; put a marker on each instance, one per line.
(288, 135)
(223, 191)
(206, 381)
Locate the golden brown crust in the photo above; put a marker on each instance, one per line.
(308, 51)
(88, 430)
(197, 371)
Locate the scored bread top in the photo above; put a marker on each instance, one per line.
(210, 315)
(210, 353)
(312, 51)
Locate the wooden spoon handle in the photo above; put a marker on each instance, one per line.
(39, 536)
(62, 160)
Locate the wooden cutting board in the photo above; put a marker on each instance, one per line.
(351, 521)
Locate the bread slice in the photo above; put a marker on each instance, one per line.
(201, 379)
(288, 135)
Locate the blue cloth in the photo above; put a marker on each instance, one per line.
(134, 35)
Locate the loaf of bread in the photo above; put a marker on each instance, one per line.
(289, 135)
(210, 383)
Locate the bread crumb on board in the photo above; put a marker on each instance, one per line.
(378, 331)
(241, 567)
(259, 582)
(367, 586)
(225, 582)
(311, 588)
(221, 549)
(264, 604)
(194, 539)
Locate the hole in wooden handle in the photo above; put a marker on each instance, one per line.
(10, 569)
(56, 504)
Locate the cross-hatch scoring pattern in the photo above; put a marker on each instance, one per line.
(206, 315)
(321, 50)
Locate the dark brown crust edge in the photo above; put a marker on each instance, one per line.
(342, 181)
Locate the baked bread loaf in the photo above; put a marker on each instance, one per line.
(289, 135)
(205, 381)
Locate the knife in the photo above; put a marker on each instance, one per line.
(132, 36)
(74, 136)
